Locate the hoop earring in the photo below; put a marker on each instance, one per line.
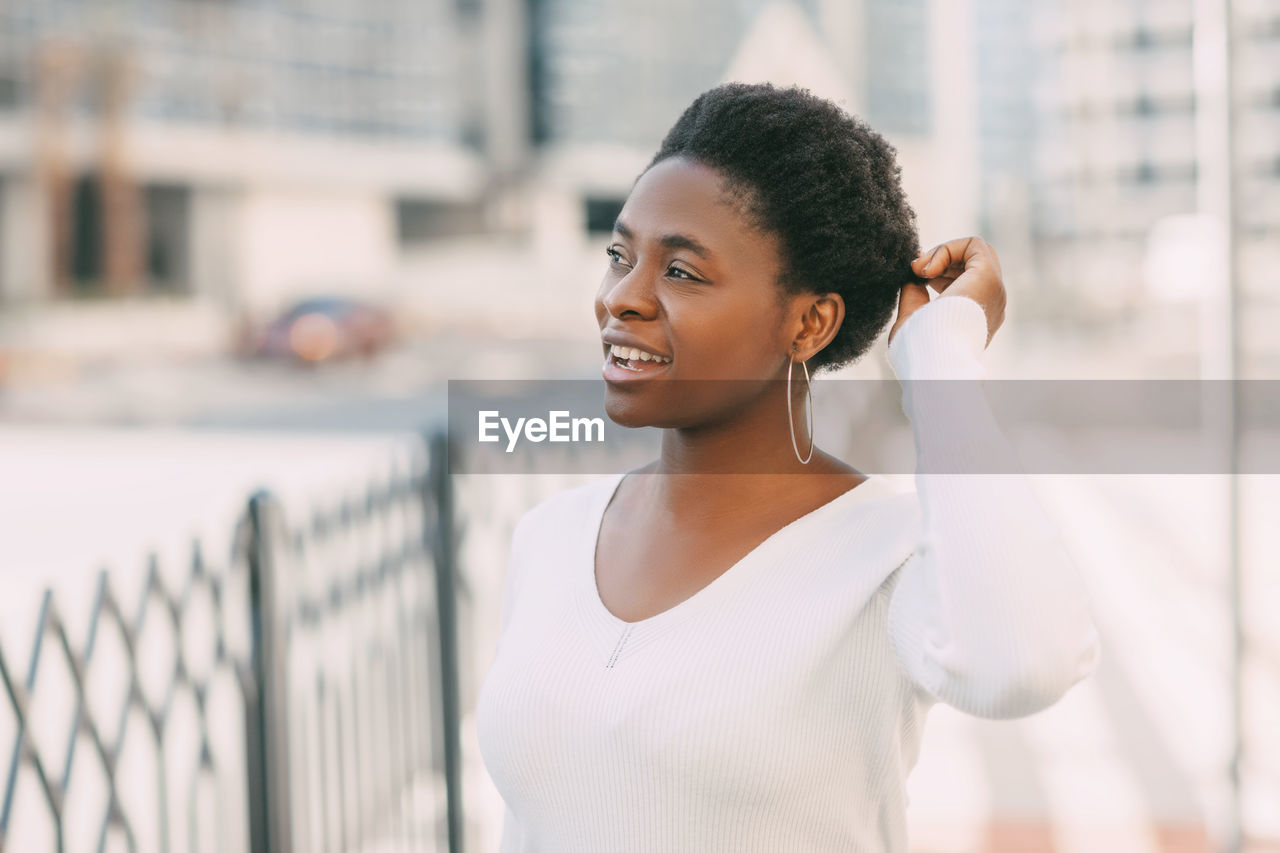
(791, 426)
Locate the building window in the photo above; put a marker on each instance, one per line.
(538, 58)
(601, 213)
(424, 220)
(164, 242)
(10, 90)
(168, 231)
(86, 234)
(473, 135)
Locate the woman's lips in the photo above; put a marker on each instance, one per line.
(619, 370)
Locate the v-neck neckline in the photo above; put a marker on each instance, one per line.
(618, 632)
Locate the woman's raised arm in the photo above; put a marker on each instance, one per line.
(990, 614)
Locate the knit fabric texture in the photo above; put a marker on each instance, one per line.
(781, 707)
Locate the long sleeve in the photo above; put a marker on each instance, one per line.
(989, 614)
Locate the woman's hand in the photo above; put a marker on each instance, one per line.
(964, 267)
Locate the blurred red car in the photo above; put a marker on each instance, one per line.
(326, 328)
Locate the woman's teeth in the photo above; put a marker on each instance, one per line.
(631, 353)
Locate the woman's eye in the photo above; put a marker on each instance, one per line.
(616, 257)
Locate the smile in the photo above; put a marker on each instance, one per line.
(633, 355)
(624, 364)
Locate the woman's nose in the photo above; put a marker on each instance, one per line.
(633, 292)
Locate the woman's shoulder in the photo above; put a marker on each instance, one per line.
(882, 509)
(884, 495)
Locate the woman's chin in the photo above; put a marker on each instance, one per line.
(631, 414)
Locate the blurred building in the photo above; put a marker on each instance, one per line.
(462, 158)
(1116, 162)
(465, 158)
(871, 56)
(607, 81)
(1006, 69)
(230, 154)
(1117, 142)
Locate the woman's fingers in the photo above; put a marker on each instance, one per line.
(937, 275)
(966, 266)
(965, 258)
(910, 297)
(963, 253)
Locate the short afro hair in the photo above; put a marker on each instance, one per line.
(825, 184)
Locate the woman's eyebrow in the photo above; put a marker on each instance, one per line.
(670, 241)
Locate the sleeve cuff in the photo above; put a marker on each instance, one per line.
(942, 340)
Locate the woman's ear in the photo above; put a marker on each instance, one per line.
(821, 317)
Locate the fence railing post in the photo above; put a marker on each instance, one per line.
(266, 732)
(250, 679)
(444, 549)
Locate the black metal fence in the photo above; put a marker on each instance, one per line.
(298, 693)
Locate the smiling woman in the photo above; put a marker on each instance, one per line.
(695, 658)
(694, 280)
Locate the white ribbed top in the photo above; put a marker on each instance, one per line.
(780, 708)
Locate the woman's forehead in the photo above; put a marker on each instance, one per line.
(684, 204)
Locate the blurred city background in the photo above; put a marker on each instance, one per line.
(244, 244)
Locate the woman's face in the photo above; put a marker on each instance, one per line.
(689, 278)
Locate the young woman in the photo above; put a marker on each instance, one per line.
(694, 660)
